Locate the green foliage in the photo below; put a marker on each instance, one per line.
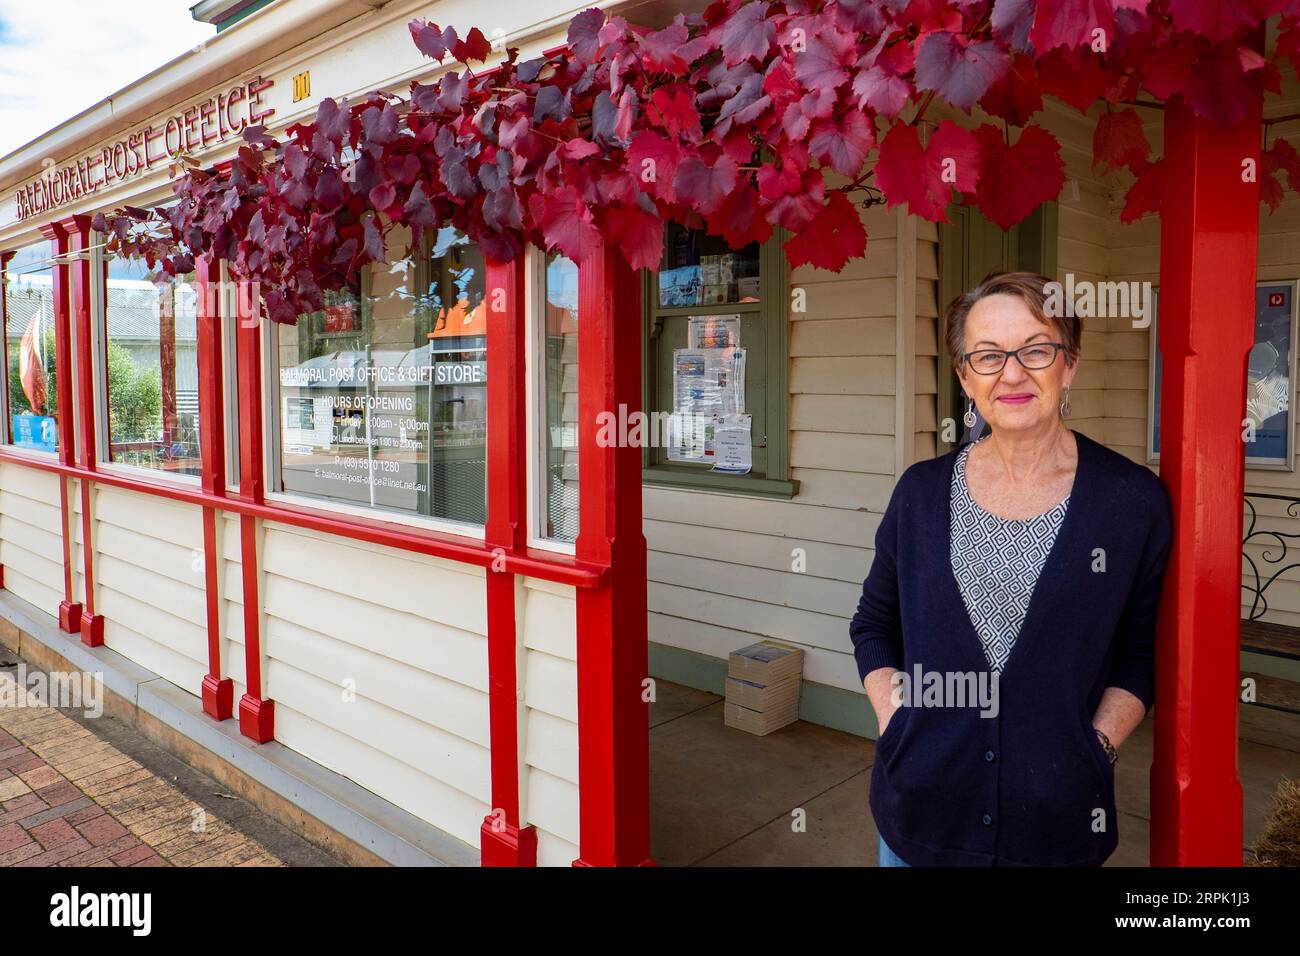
(134, 398)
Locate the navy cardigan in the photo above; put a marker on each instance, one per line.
(1032, 784)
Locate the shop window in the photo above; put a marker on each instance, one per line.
(150, 372)
(559, 519)
(27, 303)
(715, 366)
(381, 397)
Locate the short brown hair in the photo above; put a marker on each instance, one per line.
(1030, 288)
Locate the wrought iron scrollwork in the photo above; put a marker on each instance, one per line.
(1271, 556)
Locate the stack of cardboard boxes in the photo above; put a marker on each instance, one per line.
(763, 682)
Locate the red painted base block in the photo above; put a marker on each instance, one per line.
(508, 847)
(218, 697)
(92, 629)
(69, 617)
(257, 719)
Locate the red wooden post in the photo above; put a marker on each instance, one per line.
(78, 229)
(504, 842)
(217, 692)
(256, 714)
(1209, 235)
(613, 722)
(167, 364)
(69, 610)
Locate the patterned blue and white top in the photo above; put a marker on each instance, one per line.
(996, 562)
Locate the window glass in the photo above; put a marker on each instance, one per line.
(28, 303)
(699, 269)
(709, 328)
(151, 369)
(560, 389)
(382, 394)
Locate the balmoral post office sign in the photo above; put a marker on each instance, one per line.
(220, 116)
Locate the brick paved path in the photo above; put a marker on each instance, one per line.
(68, 798)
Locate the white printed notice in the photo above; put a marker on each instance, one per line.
(733, 445)
(708, 387)
(713, 332)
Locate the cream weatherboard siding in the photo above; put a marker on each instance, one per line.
(548, 727)
(149, 581)
(1082, 232)
(721, 565)
(31, 546)
(377, 662)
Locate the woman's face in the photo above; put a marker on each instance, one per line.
(1016, 398)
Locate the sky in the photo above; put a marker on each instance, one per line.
(58, 57)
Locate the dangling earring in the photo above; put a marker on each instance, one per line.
(969, 417)
(1065, 403)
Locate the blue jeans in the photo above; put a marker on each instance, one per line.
(887, 857)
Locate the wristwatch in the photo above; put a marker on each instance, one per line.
(1111, 752)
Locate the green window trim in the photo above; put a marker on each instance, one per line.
(768, 379)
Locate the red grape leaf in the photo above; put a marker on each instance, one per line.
(584, 34)
(843, 145)
(653, 161)
(1144, 195)
(797, 208)
(1016, 180)
(1165, 69)
(428, 39)
(958, 70)
(924, 177)
(702, 185)
(1282, 157)
(1076, 76)
(747, 34)
(834, 236)
(821, 65)
(1214, 19)
(565, 222)
(1288, 43)
(673, 108)
(1216, 86)
(639, 234)
(739, 220)
(1119, 140)
(879, 89)
(475, 47)
(1015, 97)
(1070, 23)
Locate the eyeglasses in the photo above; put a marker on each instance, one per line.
(1036, 356)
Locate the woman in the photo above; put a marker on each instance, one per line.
(1006, 631)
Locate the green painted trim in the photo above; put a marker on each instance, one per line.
(771, 380)
(820, 704)
(702, 479)
(689, 668)
(247, 11)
